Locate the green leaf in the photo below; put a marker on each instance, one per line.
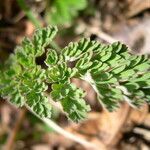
(17, 99)
(84, 63)
(42, 38)
(52, 57)
(59, 91)
(76, 50)
(58, 73)
(22, 58)
(76, 109)
(119, 69)
(127, 74)
(71, 99)
(39, 104)
(28, 46)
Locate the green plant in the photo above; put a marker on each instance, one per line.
(63, 11)
(113, 72)
(57, 12)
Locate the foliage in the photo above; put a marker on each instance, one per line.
(113, 72)
(63, 11)
(57, 12)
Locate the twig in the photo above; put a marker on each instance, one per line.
(102, 35)
(12, 134)
(65, 133)
(96, 30)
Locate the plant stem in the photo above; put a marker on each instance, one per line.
(65, 133)
(69, 135)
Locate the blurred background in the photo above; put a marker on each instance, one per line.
(107, 21)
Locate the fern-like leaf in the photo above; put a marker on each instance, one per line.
(113, 72)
